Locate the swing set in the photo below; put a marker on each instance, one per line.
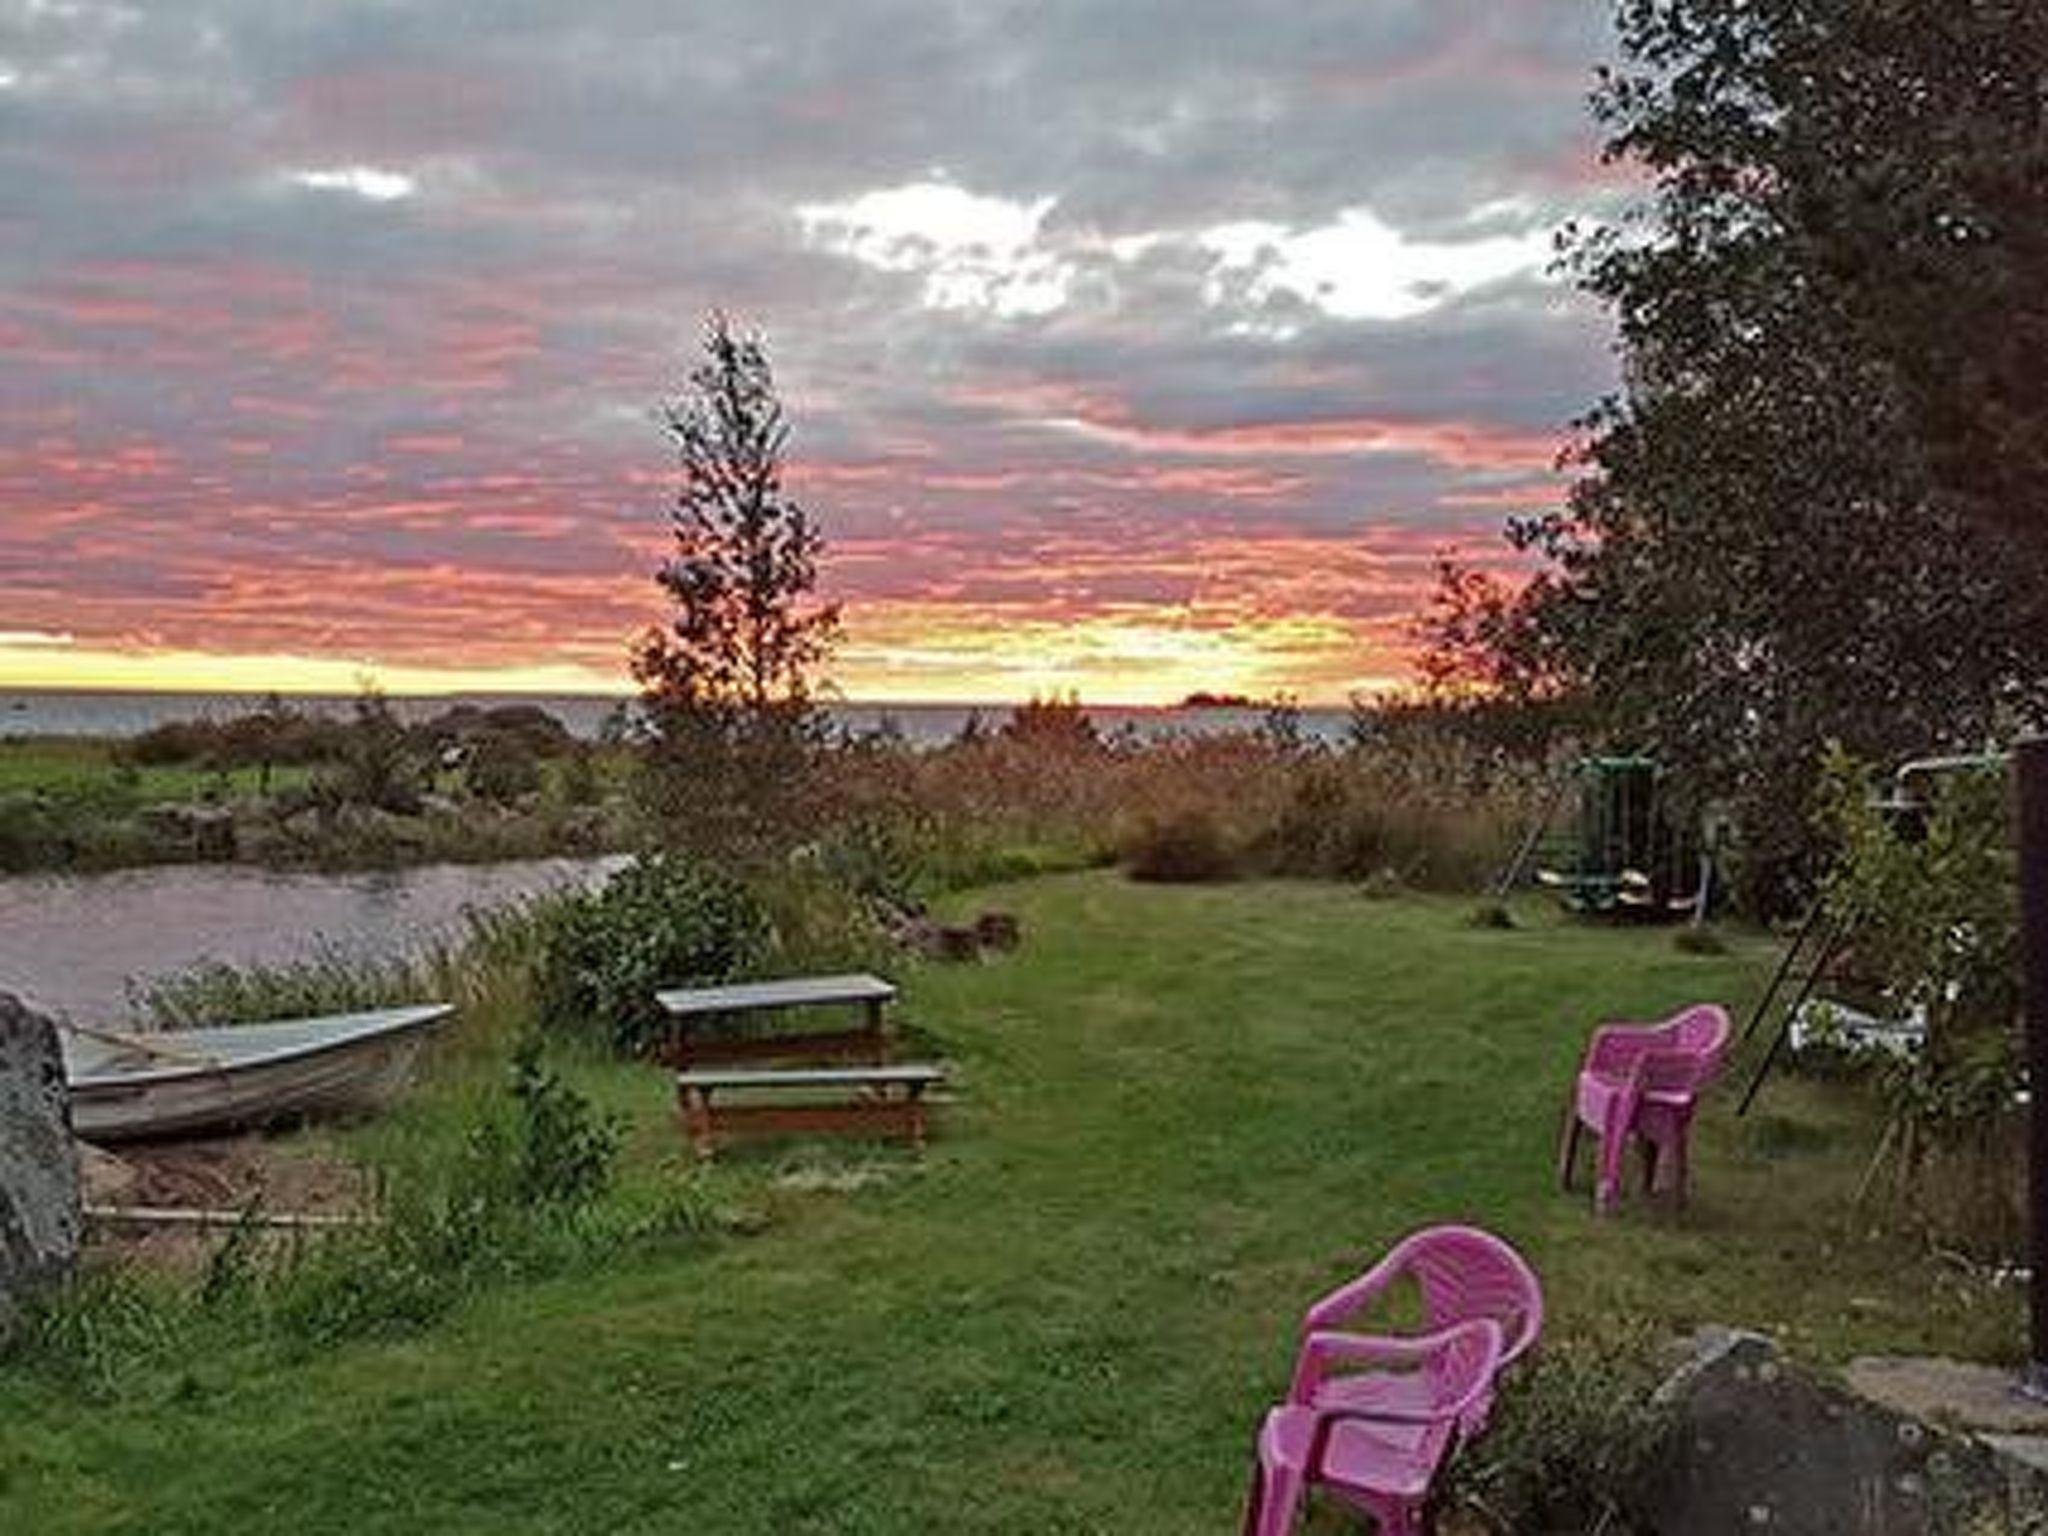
(1626, 854)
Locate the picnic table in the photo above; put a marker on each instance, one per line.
(690, 1007)
(862, 1091)
(887, 1101)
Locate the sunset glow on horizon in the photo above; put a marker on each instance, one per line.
(329, 349)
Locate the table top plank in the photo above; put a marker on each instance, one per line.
(787, 992)
(811, 1077)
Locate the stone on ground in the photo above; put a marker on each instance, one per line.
(1762, 1446)
(39, 1194)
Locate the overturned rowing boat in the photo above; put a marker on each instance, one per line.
(129, 1087)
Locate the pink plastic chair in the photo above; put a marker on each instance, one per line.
(1382, 1462)
(1463, 1274)
(1644, 1081)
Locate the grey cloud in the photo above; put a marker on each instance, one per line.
(593, 177)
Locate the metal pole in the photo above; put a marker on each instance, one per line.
(1792, 954)
(1512, 874)
(1831, 945)
(2033, 850)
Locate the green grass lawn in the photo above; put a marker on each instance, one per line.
(84, 768)
(1182, 1113)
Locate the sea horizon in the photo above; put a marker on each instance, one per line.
(40, 711)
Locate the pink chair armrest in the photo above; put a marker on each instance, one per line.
(1371, 1347)
(1325, 1347)
(1353, 1294)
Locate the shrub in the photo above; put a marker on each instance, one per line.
(579, 782)
(514, 1199)
(662, 921)
(817, 923)
(560, 1151)
(1936, 922)
(1184, 847)
(877, 859)
(1430, 811)
(274, 734)
(379, 767)
(531, 728)
(502, 768)
(1576, 1433)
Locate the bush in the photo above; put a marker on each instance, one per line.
(579, 782)
(818, 923)
(1936, 917)
(513, 1200)
(1577, 1431)
(502, 769)
(662, 921)
(1185, 847)
(378, 767)
(877, 860)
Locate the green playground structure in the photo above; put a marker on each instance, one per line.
(1625, 854)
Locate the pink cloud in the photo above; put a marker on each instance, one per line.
(1458, 444)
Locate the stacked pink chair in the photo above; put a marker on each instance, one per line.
(1382, 1462)
(1643, 1083)
(1372, 1418)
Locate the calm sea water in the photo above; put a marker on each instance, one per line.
(34, 712)
(71, 944)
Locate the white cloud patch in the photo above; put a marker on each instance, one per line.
(25, 639)
(1360, 267)
(990, 253)
(974, 252)
(364, 181)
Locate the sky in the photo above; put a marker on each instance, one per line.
(1129, 348)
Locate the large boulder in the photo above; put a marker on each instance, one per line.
(39, 1190)
(1762, 1446)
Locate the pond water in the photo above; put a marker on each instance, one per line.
(69, 944)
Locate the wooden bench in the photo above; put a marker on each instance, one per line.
(883, 1100)
(688, 1006)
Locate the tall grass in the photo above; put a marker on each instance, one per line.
(483, 967)
(1433, 808)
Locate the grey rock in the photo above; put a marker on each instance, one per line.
(998, 930)
(39, 1189)
(203, 831)
(1960, 1392)
(1762, 1445)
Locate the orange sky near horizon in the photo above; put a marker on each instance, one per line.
(912, 654)
(1146, 618)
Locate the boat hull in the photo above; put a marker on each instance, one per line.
(240, 1078)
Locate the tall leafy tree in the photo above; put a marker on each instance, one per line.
(727, 683)
(1815, 510)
